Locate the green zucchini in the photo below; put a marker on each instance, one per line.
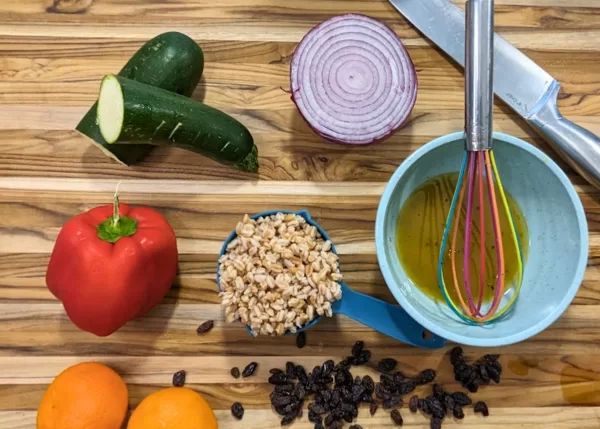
(171, 61)
(132, 111)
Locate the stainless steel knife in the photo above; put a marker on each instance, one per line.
(518, 81)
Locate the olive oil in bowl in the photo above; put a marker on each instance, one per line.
(419, 232)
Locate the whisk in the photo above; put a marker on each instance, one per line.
(479, 169)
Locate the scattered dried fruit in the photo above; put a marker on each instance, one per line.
(387, 365)
(397, 418)
(458, 412)
(250, 369)
(301, 340)
(205, 327)
(337, 393)
(235, 372)
(425, 377)
(179, 378)
(481, 407)
(413, 403)
(237, 410)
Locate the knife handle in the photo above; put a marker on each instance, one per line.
(579, 147)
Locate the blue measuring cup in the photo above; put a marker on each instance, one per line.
(388, 319)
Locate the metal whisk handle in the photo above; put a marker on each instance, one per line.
(479, 48)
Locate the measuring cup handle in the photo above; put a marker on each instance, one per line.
(386, 318)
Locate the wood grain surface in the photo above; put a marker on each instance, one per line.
(53, 54)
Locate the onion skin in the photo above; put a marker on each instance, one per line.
(393, 52)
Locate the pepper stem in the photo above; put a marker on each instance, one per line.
(116, 205)
(116, 226)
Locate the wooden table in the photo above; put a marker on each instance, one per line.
(52, 57)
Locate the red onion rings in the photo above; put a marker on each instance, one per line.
(352, 80)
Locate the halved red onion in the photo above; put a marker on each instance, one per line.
(352, 80)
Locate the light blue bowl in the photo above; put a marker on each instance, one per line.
(558, 239)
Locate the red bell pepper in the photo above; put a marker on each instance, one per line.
(112, 265)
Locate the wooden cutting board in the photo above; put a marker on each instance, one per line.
(52, 57)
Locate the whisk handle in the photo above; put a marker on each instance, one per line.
(479, 48)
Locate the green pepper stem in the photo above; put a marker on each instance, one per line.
(116, 226)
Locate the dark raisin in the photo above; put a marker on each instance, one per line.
(413, 403)
(456, 355)
(368, 384)
(387, 365)
(483, 374)
(250, 369)
(406, 387)
(399, 377)
(326, 395)
(290, 370)
(316, 372)
(300, 413)
(319, 426)
(493, 373)
(363, 358)
(357, 391)
(237, 410)
(330, 419)
(396, 417)
(373, 408)
(301, 340)
(394, 401)
(275, 371)
(355, 427)
(461, 399)
(438, 391)
(327, 368)
(205, 327)
(343, 364)
(336, 398)
(491, 358)
(387, 380)
(348, 417)
(435, 423)
(357, 380)
(473, 387)
(299, 392)
(426, 376)
(481, 407)
(336, 425)
(317, 409)
(179, 378)
(301, 374)
(235, 372)
(458, 412)
(449, 403)
(285, 389)
(288, 419)
(281, 401)
(278, 378)
(367, 397)
(436, 407)
(314, 417)
(424, 406)
(358, 348)
(341, 377)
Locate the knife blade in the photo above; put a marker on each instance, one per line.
(523, 85)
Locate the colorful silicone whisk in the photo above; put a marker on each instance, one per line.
(482, 177)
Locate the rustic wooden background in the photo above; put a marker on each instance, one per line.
(52, 56)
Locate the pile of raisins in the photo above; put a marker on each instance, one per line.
(480, 373)
(334, 395)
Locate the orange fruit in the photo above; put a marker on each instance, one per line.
(173, 408)
(84, 396)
